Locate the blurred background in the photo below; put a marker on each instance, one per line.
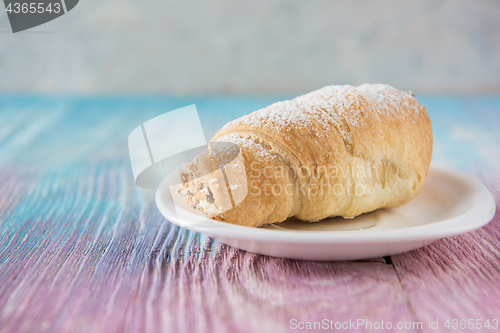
(214, 47)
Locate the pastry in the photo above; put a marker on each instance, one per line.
(337, 151)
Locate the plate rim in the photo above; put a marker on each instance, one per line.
(480, 214)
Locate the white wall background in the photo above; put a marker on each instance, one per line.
(249, 47)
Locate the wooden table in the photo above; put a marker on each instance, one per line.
(82, 249)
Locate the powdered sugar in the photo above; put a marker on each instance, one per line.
(284, 116)
(329, 109)
(390, 101)
(247, 141)
(345, 104)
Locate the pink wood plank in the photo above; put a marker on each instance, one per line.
(236, 291)
(456, 278)
(98, 257)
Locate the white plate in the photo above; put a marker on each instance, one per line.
(450, 203)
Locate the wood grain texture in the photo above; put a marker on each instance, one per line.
(459, 277)
(82, 249)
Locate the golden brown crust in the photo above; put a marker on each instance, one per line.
(337, 151)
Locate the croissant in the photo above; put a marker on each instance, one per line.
(337, 151)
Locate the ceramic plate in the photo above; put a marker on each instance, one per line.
(450, 203)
